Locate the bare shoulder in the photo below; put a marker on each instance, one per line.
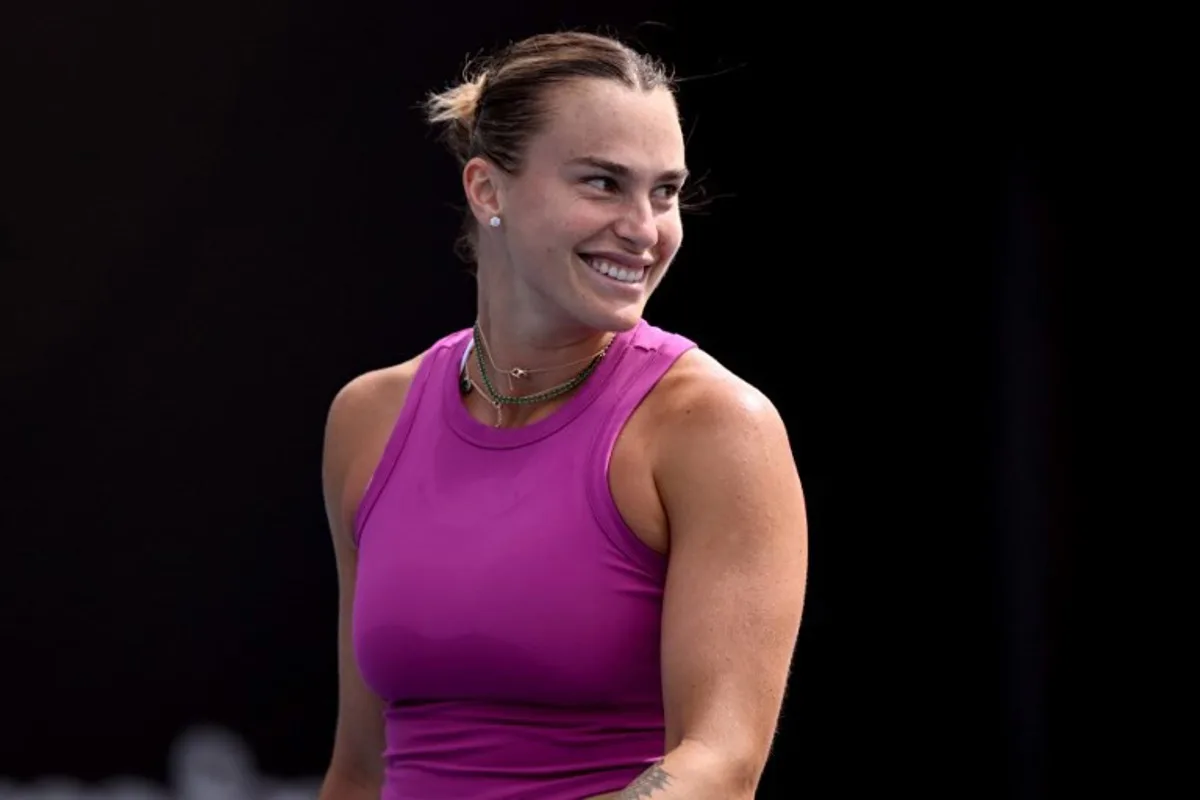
(719, 444)
(360, 420)
(365, 403)
(701, 396)
(369, 392)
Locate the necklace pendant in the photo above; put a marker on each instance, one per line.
(518, 373)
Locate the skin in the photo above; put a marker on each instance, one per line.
(703, 471)
(538, 303)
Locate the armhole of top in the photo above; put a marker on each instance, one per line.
(633, 393)
(395, 444)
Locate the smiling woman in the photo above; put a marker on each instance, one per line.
(571, 546)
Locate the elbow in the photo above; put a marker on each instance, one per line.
(343, 784)
(737, 769)
(742, 775)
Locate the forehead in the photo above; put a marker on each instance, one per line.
(603, 119)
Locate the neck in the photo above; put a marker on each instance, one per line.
(524, 362)
(519, 336)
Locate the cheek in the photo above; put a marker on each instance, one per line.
(670, 235)
(546, 213)
(581, 218)
(567, 225)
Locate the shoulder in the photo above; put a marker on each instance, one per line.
(700, 396)
(368, 395)
(715, 433)
(359, 422)
(362, 401)
(722, 461)
(379, 391)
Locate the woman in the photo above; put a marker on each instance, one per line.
(571, 546)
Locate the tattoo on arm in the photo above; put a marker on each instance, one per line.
(646, 783)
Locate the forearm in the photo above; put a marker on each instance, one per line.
(690, 771)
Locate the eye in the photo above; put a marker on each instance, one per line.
(601, 182)
(668, 191)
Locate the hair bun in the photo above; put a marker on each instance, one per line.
(515, 80)
(454, 112)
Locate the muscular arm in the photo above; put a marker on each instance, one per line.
(735, 585)
(359, 422)
(356, 766)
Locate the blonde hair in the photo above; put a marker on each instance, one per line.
(500, 102)
(454, 111)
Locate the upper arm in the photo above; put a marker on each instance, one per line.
(737, 567)
(357, 428)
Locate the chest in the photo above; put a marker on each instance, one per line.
(493, 580)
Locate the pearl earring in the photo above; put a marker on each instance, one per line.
(494, 222)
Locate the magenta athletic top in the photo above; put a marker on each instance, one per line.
(504, 612)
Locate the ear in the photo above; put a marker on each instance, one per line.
(481, 183)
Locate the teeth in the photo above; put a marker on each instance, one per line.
(616, 272)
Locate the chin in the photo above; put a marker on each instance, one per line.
(613, 319)
(604, 305)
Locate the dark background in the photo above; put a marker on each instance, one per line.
(214, 215)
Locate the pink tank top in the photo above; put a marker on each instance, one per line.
(504, 612)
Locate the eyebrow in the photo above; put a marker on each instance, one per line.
(678, 175)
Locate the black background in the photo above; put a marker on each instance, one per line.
(214, 215)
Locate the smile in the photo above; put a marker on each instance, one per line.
(615, 271)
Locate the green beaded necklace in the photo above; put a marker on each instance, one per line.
(499, 400)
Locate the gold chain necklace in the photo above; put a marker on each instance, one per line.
(518, 373)
(497, 401)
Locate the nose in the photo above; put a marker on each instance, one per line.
(638, 225)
